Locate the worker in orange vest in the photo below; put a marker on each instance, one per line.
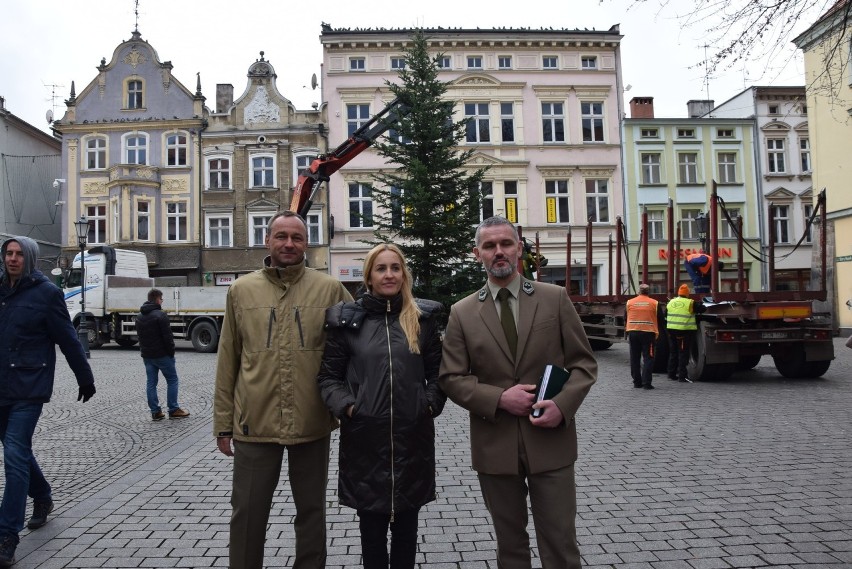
(642, 332)
(699, 265)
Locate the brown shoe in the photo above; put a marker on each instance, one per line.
(178, 414)
(158, 416)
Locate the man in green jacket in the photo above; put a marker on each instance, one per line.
(267, 399)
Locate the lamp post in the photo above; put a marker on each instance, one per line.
(82, 229)
(701, 222)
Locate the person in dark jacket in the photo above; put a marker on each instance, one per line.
(379, 376)
(33, 321)
(157, 347)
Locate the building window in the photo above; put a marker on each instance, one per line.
(397, 63)
(116, 222)
(96, 153)
(775, 155)
(357, 64)
(507, 122)
(136, 149)
(651, 169)
(474, 62)
(688, 225)
(504, 62)
(727, 167)
(262, 172)
(589, 62)
(656, 225)
(804, 109)
(553, 122)
(687, 166)
(176, 149)
(301, 162)
(444, 61)
(143, 220)
(97, 216)
(549, 62)
(360, 205)
(593, 123)
(218, 230)
(478, 128)
(258, 227)
(177, 222)
(556, 197)
(218, 174)
(597, 201)
(486, 200)
(805, 154)
(649, 133)
(782, 223)
(725, 133)
(686, 133)
(773, 109)
(809, 211)
(314, 223)
(729, 228)
(510, 193)
(356, 116)
(134, 94)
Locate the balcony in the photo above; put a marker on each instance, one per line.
(136, 174)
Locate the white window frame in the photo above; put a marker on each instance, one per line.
(357, 64)
(688, 225)
(218, 172)
(727, 229)
(805, 155)
(258, 221)
(507, 121)
(139, 216)
(479, 127)
(444, 62)
(597, 200)
(776, 155)
(591, 121)
(96, 214)
(553, 113)
(724, 133)
(126, 149)
(687, 170)
(474, 62)
(656, 225)
(225, 231)
(504, 62)
(314, 223)
(550, 62)
(486, 197)
(174, 147)
(98, 152)
(263, 169)
(397, 62)
(135, 97)
(782, 223)
(360, 204)
(686, 133)
(301, 160)
(727, 167)
(651, 168)
(356, 115)
(558, 191)
(180, 213)
(115, 213)
(808, 210)
(589, 62)
(649, 133)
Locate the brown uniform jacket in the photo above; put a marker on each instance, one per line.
(477, 367)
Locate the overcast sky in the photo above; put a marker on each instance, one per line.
(52, 42)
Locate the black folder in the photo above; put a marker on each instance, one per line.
(552, 380)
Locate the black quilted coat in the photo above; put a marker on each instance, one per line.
(387, 448)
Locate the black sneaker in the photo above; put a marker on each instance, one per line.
(40, 512)
(649, 386)
(8, 545)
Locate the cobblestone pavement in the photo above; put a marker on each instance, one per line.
(749, 472)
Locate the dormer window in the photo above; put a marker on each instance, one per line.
(134, 94)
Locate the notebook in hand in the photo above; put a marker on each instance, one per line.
(551, 383)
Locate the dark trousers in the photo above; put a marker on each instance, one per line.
(374, 539)
(641, 347)
(679, 344)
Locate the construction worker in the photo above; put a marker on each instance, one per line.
(681, 327)
(698, 265)
(642, 332)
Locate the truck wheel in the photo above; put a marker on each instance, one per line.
(600, 344)
(205, 337)
(95, 340)
(792, 364)
(697, 369)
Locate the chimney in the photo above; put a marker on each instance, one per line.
(224, 97)
(642, 108)
(699, 108)
(2, 103)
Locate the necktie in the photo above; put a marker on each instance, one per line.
(507, 319)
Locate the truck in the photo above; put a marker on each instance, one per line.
(737, 328)
(116, 285)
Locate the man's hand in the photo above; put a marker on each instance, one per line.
(518, 399)
(224, 444)
(551, 416)
(86, 392)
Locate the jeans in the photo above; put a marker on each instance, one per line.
(166, 364)
(23, 475)
(374, 539)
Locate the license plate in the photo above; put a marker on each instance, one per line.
(773, 335)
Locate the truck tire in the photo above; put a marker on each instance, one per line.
(205, 337)
(697, 369)
(792, 364)
(95, 340)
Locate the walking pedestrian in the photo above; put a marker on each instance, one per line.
(496, 346)
(642, 333)
(267, 400)
(379, 376)
(157, 347)
(33, 321)
(681, 327)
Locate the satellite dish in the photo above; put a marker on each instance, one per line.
(49, 116)
(314, 81)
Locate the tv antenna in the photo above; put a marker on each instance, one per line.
(136, 12)
(53, 96)
(706, 73)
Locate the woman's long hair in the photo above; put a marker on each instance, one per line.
(409, 317)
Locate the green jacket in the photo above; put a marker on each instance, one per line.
(270, 351)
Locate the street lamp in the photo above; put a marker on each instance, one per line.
(702, 222)
(82, 229)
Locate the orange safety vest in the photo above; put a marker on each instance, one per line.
(705, 268)
(642, 315)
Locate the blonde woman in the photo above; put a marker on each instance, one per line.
(379, 376)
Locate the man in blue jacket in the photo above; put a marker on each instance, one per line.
(33, 320)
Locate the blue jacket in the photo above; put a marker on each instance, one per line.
(33, 320)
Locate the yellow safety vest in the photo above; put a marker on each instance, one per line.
(679, 314)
